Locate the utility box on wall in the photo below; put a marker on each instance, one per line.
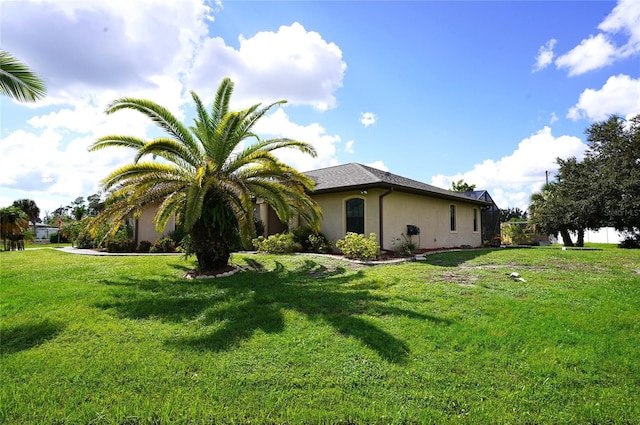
(412, 230)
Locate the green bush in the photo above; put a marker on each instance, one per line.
(310, 240)
(359, 247)
(53, 238)
(277, 244)
(165, 244)
(120, 245)
(84, 240)
(144, 246)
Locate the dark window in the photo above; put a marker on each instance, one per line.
(475, 220)
(452, 217)
(355, 215)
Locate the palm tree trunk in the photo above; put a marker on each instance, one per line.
(212, 252)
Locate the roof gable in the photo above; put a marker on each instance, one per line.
(357, 176)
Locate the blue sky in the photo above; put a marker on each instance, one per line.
(489, 92)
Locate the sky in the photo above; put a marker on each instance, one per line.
(491, 92)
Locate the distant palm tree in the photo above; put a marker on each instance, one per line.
(206, 176)
(18, 81)
(13, 222)
(547, 212)
(31, 209)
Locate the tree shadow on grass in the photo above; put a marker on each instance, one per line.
(27, 335)
(454, 258)
(230, 310)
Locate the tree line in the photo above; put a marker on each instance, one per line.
(601, 190)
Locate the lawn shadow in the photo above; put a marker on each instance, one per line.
(454, 258)
(27, 335)
(230, 310)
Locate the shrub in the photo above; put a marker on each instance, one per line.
(630, 242)
(53, 238)
(164, 244)
(358, 246)
(120, 245)
(84, 240)
(277, 244)
(144, 246)
(310, 240)
(403, 247)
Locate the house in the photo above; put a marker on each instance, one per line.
(362, 199)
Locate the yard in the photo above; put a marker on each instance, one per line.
(315, 339)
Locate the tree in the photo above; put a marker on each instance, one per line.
(207, 176)
(549, 213)
(30, 209)
(462, 186)
(614, 148)
(13, 222)
(18, 81)
(78, 208)
(510, 214)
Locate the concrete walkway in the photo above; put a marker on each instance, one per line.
(72, 250)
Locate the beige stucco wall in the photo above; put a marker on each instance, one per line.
(431, 215)
(146, 229)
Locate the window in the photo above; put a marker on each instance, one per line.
(475, 219)
(355, 215)
(452, 218)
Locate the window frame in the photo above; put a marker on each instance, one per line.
(346, 214)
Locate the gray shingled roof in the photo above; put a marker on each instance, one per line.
(357, 176)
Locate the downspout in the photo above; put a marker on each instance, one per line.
(381, 216)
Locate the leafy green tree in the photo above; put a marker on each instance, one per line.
(78, 208)
(30, 209)
(18, 81)
(614, 148)
(548, 213)
(206, 175)
(462, 186)
(510, 214)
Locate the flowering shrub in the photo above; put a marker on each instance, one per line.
(358, 246)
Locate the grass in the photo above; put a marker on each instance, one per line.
(311, 339)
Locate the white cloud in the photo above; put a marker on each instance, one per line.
(600, 50)
(348, 147)
(278, 124)
(619, 95)
(592, 53)
(545, 55)
(367, 118)
(512, 179)
(292, 64)
(81, 48)
(379, 165)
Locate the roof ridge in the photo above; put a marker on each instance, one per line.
(367, 169)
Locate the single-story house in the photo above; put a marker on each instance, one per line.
(362, 199)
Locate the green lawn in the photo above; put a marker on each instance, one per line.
(311, 339)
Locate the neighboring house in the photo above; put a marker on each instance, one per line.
(44, 232)
(361, 199)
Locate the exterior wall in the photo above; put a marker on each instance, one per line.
(431, 215)
(145, 228)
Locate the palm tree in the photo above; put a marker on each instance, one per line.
(31, 209)
(13, 223)
(548, 214)
(206, 176)
(18, 81)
